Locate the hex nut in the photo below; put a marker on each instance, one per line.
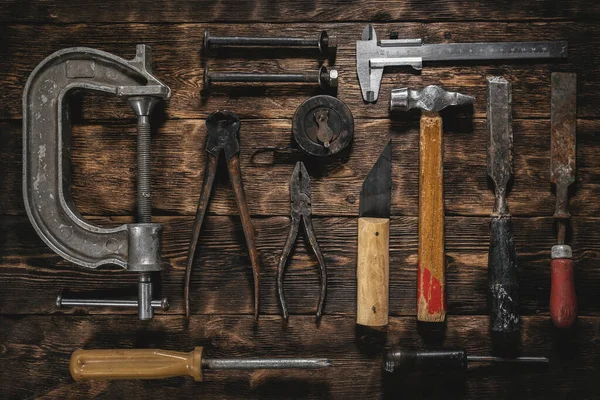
(333, 78)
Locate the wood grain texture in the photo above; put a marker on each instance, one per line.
(222, 278)
(37, 340)
(104, 161)
(431, 274)
(86, 11)
(178, 62)
(373, 272)
(39, 347)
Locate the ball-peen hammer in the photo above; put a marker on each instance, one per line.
(431, 303)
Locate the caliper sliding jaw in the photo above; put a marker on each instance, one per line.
(47, 158)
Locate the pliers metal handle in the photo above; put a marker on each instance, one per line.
(301, 211)
(223, 128)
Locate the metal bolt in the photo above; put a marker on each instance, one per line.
(163, 304)
(325, 78)
(142, 107)
(325, 43)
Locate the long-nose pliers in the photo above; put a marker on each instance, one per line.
(301, 211)
(223, 128)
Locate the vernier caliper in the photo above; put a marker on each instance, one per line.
(373, 56)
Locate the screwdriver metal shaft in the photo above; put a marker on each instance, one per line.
(265, 363)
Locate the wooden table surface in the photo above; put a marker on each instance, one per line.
(36, 339)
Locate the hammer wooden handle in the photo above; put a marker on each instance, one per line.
(135, 364)
(431, 303)
(372, 272)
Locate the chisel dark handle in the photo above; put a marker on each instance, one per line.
(503, 283)
(400, 360)
(563, 301)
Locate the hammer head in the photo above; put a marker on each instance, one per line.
(430, 98)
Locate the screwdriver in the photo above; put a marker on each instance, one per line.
(115, 364)
(402, 360)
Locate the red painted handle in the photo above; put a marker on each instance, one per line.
(563, 302)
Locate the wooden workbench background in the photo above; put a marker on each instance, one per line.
(36, 339)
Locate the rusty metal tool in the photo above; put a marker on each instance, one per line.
(403, 360)
(46, 167)
(113, 364)
(373, 55)
(373, 266)
(301, 212)
(323, 77)
(324, 42)
(563, 300)
(323, 126)
(431, 302)
(223, 128)
(503, 278)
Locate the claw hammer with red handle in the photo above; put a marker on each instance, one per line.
(431, 303)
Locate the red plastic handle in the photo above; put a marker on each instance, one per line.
(563, 301)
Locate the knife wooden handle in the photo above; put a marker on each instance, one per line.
(431, 281)
(563, 301)
(135, 364)
(372, 272)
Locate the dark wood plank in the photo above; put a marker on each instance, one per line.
(222, 282)
(39, 347)
(37, 339)
(104, 161)
(178, 61)
(85, 11)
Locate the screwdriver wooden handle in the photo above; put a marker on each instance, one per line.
(372, 272)
(431, 303)
(135, 364)
(503, 282)
(563, 301)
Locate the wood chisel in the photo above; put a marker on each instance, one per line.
(563, 301)
(113, 364)
(503, 283)
(372, 272)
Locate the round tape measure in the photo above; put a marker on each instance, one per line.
(323, 125)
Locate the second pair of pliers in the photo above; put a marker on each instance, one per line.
(222, 131)
(301, 211)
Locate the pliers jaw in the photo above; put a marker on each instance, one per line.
(223, 128)
(300, 192)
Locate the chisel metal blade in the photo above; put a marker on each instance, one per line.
(499, 126)
(563, 125)
(376, 189)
